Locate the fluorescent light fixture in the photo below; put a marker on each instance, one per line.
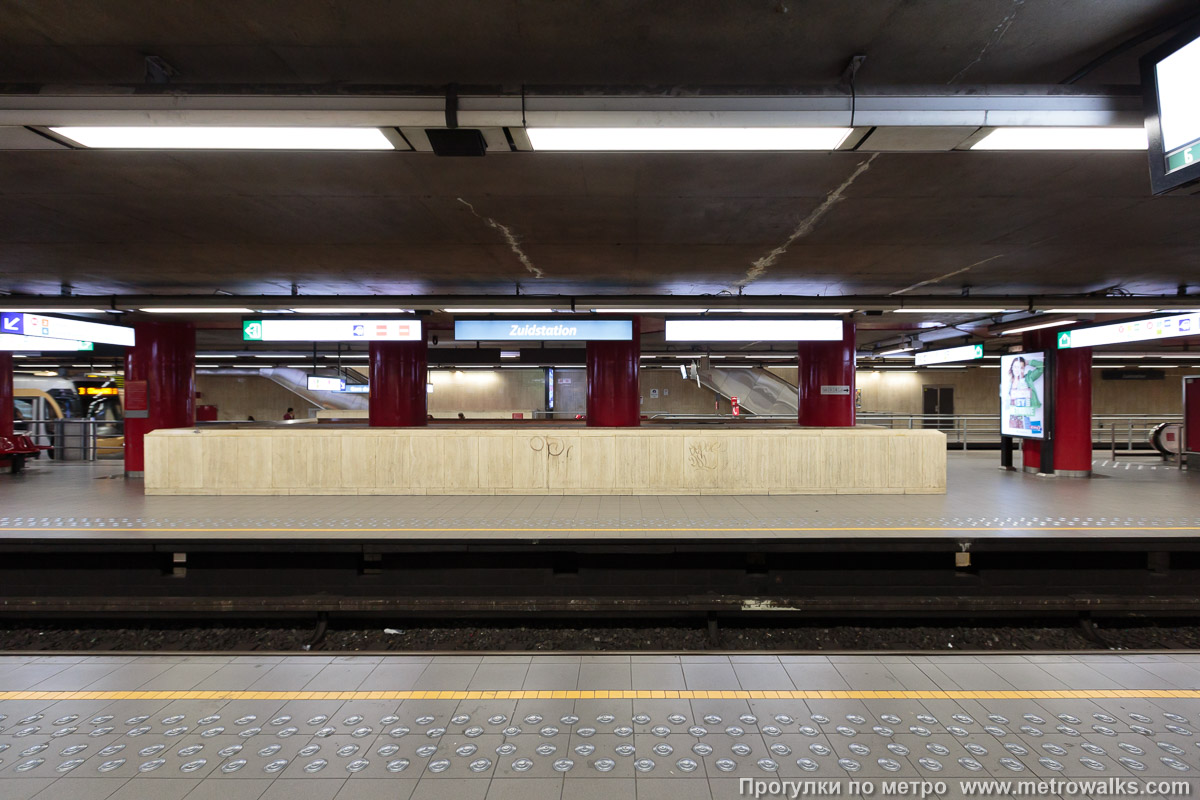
(1037, 327)
(1099, 310)
(1038, 138)
(1107, 366)
(666, 139)
(211, 137)
(500, 310)
(510, 353)
(31, 310)
(785, 358)
(942, 366)
(350, 355)
(198, 310)
(788, 310)
(897, 351)
(1115, 355)
(955, 310)
(753, 330)
(1177, 355)
(37, 366)
(650, 310)
(350, 310)
(218, 355)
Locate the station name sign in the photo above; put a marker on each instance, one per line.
(331, 330)
(754, 330)
(543, 330)
(968, 352)
(1136, 331)
(41, 326)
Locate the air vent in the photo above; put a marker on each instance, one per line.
(457, 142)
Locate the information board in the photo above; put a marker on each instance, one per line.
(16, 343)
(1133, 331)
(753, 330)
(331, 330)
(1022, 395)
(968, 352)
(317, 383)
(42, 326)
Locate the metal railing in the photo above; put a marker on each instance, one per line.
(1117, 432)
(75, 439)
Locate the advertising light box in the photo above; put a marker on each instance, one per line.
(11, 342)
(42, 326)
(319, 384)
(968, 352)
(1136, 331)
(1022, 395)
(331, 330)
(754, 330)
(543, 330)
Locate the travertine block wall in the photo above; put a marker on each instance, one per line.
(318, 460)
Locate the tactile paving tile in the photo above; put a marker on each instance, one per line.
(677, 739)
(599, 523)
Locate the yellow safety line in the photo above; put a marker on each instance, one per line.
(726, 529)
(614, 694)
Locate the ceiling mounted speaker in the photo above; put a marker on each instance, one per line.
(457, 141)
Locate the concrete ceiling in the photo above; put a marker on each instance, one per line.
(561, 42)
(364, 223)
(411, 223)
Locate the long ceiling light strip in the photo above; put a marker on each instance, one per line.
(686, 139)
(1046, 138)
(207, 137)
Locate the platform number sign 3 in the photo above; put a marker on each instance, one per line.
(252, 331)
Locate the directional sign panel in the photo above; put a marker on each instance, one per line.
(754, 330)
(968, 352)
(11, 342)
(331, 330)
(42, 326)
(1135, 331)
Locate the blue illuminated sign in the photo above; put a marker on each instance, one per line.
(543, 330)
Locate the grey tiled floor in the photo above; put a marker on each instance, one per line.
(923, 737)
(980, 499)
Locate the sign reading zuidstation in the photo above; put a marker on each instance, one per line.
(543, 330)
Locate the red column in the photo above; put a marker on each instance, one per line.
(165, 358)
(828, 364)
(613, 399)
(398, 374)
(6, 394)
(1072, 407)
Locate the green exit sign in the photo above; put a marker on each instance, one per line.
(252, 330)
(1181, 158)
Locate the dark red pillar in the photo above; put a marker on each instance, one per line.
(165, 358)
(825, 382)
(613, 399)
(1072, 421)
(398, 373)
(6, 394)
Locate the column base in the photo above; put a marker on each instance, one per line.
(135, 473)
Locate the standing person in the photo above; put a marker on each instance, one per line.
(289, 415)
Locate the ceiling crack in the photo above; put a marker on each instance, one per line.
(759, 267)
(509, 237)
(941, 278)
(997, 34)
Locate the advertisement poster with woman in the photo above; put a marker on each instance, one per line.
(1022, 394)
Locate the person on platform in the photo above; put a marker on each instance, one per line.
(289, 415)
(461, 415)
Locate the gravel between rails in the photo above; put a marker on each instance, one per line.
(424, 635)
